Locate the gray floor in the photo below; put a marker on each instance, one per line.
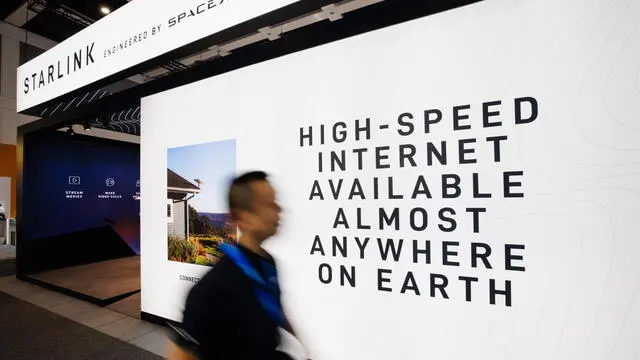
(36, 323)
(7, 260)
(7, 252)
(7, 267)
(30, 332)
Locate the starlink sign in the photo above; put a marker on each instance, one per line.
(135, 33)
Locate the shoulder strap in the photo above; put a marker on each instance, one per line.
(238, 258)
(266, 298)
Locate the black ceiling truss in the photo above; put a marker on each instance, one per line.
(75, 102)
(57, 7)
(175, 66)
(124, 121)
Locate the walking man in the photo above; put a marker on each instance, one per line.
(235, 312)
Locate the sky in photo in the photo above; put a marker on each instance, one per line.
(214, 164)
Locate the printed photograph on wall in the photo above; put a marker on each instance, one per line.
(198, 221)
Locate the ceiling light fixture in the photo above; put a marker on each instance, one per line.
(105, 10)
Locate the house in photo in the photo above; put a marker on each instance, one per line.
(179, 192)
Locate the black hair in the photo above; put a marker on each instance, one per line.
(240, 192)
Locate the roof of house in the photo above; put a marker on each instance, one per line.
(177, 182)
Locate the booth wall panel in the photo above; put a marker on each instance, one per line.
(577, 295)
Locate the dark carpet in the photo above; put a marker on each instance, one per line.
(7, 267)
(33, 333)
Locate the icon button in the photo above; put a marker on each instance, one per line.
(110, 182)
(74, 180)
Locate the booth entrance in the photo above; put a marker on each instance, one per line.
(82, 235)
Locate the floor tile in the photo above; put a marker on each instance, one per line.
(21, 291)
(73, 308)
(155, 342)
(7, 267)
(29, 332)
(45, 299)
(16, 287)
(128, 328)
(97, 317)
(7, 252)
(142, 334)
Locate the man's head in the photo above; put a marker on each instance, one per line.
(253, 205)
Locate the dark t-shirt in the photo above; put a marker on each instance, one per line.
(224, 315)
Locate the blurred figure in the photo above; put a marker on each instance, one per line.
(235, 312)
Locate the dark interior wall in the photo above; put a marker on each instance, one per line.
(78, 202)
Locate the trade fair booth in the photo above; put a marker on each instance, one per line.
(80, 226)
(457, 183)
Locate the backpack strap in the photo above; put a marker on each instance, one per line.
(266, 290)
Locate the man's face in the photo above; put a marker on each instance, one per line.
(264, 218)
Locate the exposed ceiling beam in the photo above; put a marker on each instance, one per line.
(332, 12)
(21, 16)
(14, 32)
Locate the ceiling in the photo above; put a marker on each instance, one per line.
(55, 19)
(114, 103)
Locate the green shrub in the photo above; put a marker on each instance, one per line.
(182, 250)
(199, 246)
(202, 260)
